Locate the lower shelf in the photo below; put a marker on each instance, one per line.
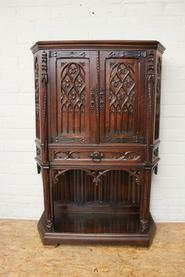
(93, 228)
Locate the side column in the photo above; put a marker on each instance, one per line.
(145, 199)
(47, 198)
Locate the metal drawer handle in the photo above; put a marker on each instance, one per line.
(96, 157)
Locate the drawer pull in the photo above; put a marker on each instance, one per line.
(96, 157)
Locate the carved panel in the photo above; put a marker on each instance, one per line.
(71, 101)
(122, 88)
(121, 110)
(72, 87)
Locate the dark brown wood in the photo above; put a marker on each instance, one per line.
(97, 139)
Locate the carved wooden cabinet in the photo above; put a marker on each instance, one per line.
(97, 138)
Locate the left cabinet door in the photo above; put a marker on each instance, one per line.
(72, 96)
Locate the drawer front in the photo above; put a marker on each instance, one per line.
(97, 155)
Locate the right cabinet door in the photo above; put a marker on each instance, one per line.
(122, 101)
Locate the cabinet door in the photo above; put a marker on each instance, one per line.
(73, 116)
(121, 96)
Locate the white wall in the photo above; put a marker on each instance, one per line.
(24, 22)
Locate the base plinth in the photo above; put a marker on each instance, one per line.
(104, 234)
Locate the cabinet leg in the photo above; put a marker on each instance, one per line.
(47, 197)
(145, 200)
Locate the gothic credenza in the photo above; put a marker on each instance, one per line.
(97, 138)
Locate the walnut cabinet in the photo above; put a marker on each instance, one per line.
(97, 138)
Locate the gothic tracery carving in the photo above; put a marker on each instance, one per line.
(122, 93)
(72, 87)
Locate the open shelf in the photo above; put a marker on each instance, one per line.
(95, 223)
(78, 228)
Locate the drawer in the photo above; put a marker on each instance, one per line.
(97, 155)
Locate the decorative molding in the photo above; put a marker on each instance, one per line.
(150, 79)
(129, 53)
(159, 67)
(158, 96)
(37, 101)
(38, 151)
(97, 156)
(137, 175)
(49, 225)
(97, 81)
(144, 225)
(44, 79)
(156, 153)
(44, 67)
(58, 173)
(67, 54)
(96, 175)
